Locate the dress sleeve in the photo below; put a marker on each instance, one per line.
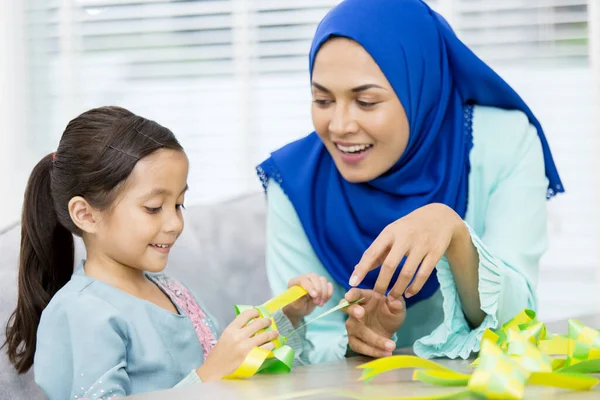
(512, 240)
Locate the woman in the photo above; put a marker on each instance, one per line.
(424, 162)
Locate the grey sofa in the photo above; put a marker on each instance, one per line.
(220, 255)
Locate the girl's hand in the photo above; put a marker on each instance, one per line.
(237, 340)
(319, 292)
(423, 236)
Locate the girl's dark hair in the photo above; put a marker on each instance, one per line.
(97, 152)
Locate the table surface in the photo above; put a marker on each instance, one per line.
(343, 374)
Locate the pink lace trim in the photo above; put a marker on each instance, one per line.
(185, 300)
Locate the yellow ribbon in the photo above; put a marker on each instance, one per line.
(282, 357)
(279, 360)
(511, 357)
(580, 346)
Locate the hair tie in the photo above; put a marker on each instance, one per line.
(53, 156)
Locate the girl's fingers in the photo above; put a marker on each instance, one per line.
(263, 338)
(323, 295)
(329, 290)
(268, 346)
(309, 283)
(241, 320)
(251, 329)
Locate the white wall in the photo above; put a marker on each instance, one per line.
(594, 30)
(15, 157)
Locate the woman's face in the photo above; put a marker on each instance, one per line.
(356, 112)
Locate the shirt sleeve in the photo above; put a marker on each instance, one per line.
(295, 340)
(290, 254)
(512, 238)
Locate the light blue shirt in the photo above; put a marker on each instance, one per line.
(507, 219)
(95, 341)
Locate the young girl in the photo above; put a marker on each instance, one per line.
(117, 326)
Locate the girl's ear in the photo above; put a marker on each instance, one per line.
(84, 215)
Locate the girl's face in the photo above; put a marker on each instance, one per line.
(356, 112)
(146, 218)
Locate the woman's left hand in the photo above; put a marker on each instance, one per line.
(373, 321)
(423, 236)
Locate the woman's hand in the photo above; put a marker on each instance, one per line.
(319, 292)
(423, 236)
(372, 322)
(234, 345)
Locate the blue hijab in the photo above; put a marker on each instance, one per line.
(436, 77)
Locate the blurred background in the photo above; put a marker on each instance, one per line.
(230, 78)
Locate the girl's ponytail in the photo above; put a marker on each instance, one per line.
(45, 265)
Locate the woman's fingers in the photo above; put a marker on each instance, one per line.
(396, 306)
(407, 273)
(363, 348)
(353, 295)
(373, 339)
(355, 311)
(356, 294)
(367, 340)
(427, 266)
(372, 257)
(388, 268)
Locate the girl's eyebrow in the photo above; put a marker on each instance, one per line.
(162, 191)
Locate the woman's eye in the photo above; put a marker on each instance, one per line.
(321, 102)
(365, 104)
(153, 210)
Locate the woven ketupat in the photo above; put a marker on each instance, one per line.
(498, 376)
(526, 354)
(585, 344)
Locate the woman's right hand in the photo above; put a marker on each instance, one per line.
(236, 342)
